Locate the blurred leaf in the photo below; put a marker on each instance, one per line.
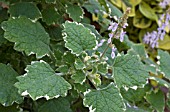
(51, 1)
(50, 15)
(134, 2)
(127, 3)
(2, 39)
(156, 100)
(27, 9)
(8, 93)
(75, 12)
(55, 33)
(103, 3)
(114, 10)
(132, 10)
(118, 3)
(93, 6)
(12, 108)
(55, 105)
(140, 21)
(63, 69)
(165, 43)
(3, 14)
(147, 11)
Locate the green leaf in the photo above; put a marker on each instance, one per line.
(102, 68)
(50, 15)
(118, 3)
(41, 81)
(2, 39)
(8, 93)
(51, 1)
(140, 21)
(104, 4)
(55, 33)
(135, 96)
(93, 30)
(114, 10)
(147, 11)
(80, 87)
(27, 9)
(165, 43)
(104, 100)
(132, 10)
(3, 14)
(138, 49)
(55, 105)
(79, 64)
(63, 69)
(13, 108)
(68, 58)
(28, 36)
(134, 2)
(131, 109)
(78, 38)
(157, 100)
(164, 59)
(92, 6)
(79, 76)
(75, 12)
(128, 70)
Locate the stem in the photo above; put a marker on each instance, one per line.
(104, 52)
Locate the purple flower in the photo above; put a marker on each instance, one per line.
(113, 52)
(146, 38)
(162, 35)
(113, 26)
(164, 3)
(96, 10)
(110, 38)
(122, 34)
(124, 26)
(151, 39)
(101, 42)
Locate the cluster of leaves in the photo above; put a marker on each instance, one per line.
(49, 61)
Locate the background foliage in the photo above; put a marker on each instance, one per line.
(49, 61)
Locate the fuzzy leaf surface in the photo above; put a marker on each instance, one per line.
(28, 36)
(41, 81)
(8, 93)
(78, 38)
(104, 100)
(128, 70)
(164, 62)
